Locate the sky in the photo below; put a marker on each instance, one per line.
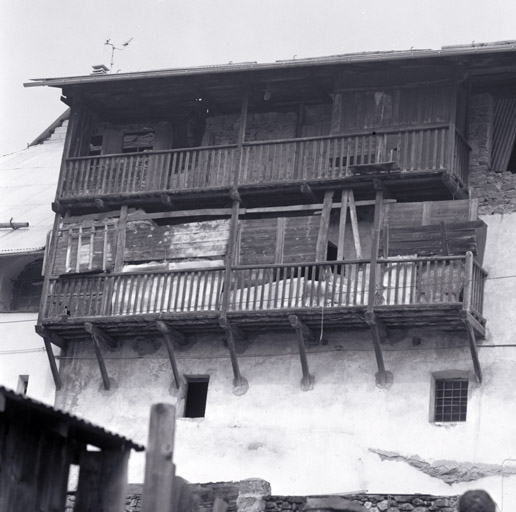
(52, 38)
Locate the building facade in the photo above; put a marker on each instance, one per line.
(311, 259)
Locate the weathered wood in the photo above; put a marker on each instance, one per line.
(468, 282)
(303, 332)
(375, 244)
(240, 384)
(110, 343)
(466, 318)
(170, 336)
(100, 359)
(322, 239)
(354, 224)
(377, 329)
(280, 240)
(52, 362)
(307, 191)
(158, 492)
(120, 239)
(102, 481)
(342, 224)
(54, 338)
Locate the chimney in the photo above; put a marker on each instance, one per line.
(99, 69)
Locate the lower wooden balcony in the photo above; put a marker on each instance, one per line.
(430, 153)
(404, 292)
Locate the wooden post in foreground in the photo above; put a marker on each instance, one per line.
(159, 468)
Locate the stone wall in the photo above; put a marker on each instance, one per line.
(496, 191)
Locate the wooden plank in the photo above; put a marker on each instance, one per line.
(354, 224)
(378, 215)
(444, 239)
(280, 240)
(377, 330)
(170, 336)
(303, 332)
(322, 239)
(110, 343)
(467, 320)
(52, 362)
(120, 239)
(102, 481)
(158, 493)
(53, 337)
(342, 224)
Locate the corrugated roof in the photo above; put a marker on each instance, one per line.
(82, 430)
(349, 58)
(28, 181)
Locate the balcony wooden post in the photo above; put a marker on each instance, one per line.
(240, 384)
(170, 335)
(303, 332)
(120, 239)
(322, 238)
(468, 282)
(452, 170)
(239, 171)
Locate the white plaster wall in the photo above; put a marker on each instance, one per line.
(22, 352)
(319, 441)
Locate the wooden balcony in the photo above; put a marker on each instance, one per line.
(352, 160)
(433, 292)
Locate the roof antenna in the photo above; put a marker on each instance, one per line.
(113, 48)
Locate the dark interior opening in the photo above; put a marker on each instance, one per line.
(196, 394)
(511, 167)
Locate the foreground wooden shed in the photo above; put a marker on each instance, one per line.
(38, 444)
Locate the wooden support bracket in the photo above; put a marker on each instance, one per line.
(54, 338)
(303, 333)
(110, 343)
(467, 320)
(95, 338)
(240, 384)
(383, 377)
(171, 335)
(47, 338)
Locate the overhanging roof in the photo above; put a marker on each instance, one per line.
(78, 428)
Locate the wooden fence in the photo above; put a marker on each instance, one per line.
(288, 160)
(398, 282)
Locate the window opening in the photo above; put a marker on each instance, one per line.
(196, 394)
(23, 383)
(451, 400)
(95, 147)
(137, 142)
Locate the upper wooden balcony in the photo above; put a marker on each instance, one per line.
(404, 292)
(431, 155)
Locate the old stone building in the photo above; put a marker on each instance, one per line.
(313, 259)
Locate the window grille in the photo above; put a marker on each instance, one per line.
(451, 400)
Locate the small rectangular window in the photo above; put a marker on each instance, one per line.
(196, 394)
(451, 400)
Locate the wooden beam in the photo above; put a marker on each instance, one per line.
(240, 171)
(170, 335)
(158, 485)
(321, 247)
(120, 239)
(465, 316)
(240, 384)
(100, 358)
(377, 329)
(375, 244)
(54, 338)
(444, 239)
(307, 191)
(230, 254)
(342, 224)
(52, 362)
(302, 331)
(110, 343)
(280, 240)
(354, 224)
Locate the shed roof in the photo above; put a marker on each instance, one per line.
(79, 429)
(28, 180)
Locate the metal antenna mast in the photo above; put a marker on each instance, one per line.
(113, 48)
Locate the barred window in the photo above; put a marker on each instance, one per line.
(451, 400)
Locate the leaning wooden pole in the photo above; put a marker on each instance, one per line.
(158, 486)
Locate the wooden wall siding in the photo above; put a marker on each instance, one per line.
(398, 215)
(362, 110)
(86, 248)
(187, 241)
(259, 240)
(504, 132)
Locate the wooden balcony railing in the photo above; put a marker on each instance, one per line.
(399, 282)
(280, 161)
